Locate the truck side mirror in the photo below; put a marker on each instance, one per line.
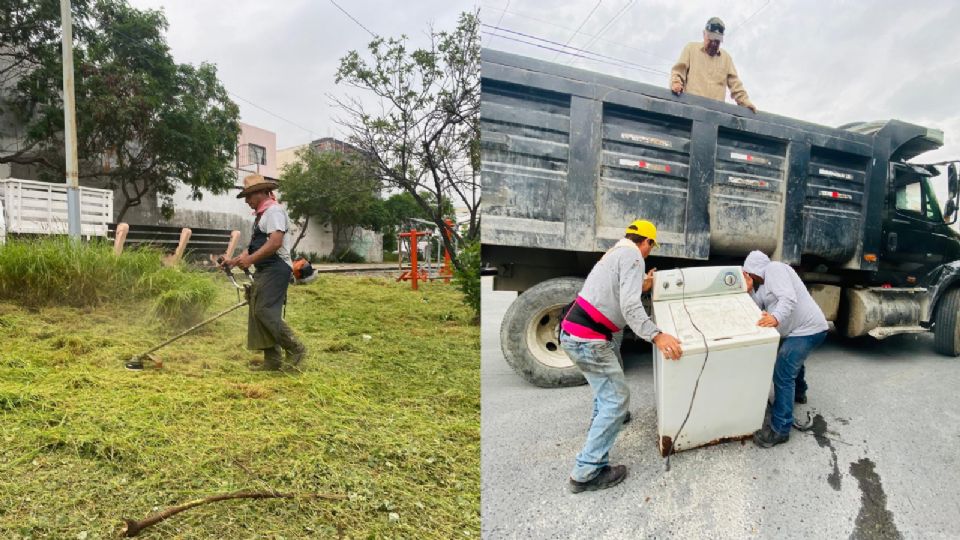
(952, 183)
(950, 209)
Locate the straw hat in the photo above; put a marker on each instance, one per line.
(254, 183)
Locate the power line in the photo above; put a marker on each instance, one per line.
(562, 51)
(264, 109)
(500, 20)
(134, 41)
(745, 21)
(609, 22)
(604, 56)
(597, 36)
(352, 18)
(577, 31)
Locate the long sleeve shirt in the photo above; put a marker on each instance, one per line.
(614, 286)
(709, 76)
(784, 296)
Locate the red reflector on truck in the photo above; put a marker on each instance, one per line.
(644, 164)
(836, 195)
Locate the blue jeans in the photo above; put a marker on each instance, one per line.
(790, 357)
(599, 364)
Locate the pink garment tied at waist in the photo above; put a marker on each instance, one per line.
(595, 314)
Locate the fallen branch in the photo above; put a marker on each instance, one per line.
(134, 527)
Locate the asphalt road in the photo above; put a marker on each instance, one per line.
(883, 462)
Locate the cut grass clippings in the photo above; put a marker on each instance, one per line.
(385, 413)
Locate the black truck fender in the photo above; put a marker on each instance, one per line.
(940, 280)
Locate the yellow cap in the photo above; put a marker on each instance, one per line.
(644, 228)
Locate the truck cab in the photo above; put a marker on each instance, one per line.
(917, 234)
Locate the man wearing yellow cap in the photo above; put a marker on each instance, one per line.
(266, 329)
(610, 300)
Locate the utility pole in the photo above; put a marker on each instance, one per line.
(70, 124)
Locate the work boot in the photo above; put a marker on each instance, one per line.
(608, 477)
(271, 359)
(295, 357)
(767, 437)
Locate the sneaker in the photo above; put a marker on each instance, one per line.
(608, 477)
(767, 437)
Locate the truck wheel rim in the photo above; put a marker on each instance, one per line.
(542, 340)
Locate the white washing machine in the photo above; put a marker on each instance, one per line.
(732, 394)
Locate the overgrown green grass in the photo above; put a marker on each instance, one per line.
(385, 413)
(56, 271)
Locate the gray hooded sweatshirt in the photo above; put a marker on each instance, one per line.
(784, 296)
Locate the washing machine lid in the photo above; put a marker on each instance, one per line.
(726, 321)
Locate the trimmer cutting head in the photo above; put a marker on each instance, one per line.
(136, 363)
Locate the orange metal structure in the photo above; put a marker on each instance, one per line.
(416, 273)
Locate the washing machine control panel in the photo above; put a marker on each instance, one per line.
(696, 282)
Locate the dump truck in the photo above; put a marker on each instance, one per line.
(570, 157)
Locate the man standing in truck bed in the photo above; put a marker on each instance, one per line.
(610, 300)
(705, 70)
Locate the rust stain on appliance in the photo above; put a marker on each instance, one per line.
(666, 442)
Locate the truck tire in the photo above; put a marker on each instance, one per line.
(946, 330)
(528, 334)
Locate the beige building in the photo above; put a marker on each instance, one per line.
(319, 236)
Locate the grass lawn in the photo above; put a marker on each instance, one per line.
(386, 413)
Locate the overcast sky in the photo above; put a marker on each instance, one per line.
(829, 62)
(283, 55)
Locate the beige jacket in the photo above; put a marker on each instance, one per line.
(708, 76)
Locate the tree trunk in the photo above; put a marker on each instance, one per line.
(127, 204)
(342, 236)
(303, 232)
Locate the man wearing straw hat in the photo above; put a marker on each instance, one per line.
(266, 329)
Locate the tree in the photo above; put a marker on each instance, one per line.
(144, 122)
(331, 187)
(423, 135)
(399, 212)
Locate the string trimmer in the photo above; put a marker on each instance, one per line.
(136, 362)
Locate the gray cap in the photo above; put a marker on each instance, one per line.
(715, 29)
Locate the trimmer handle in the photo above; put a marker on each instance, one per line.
(221, 262)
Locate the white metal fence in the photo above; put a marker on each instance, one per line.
(32, 207)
